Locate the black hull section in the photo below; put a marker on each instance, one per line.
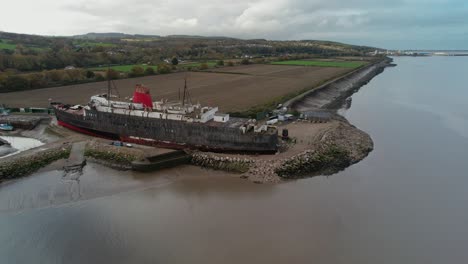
(171, 132)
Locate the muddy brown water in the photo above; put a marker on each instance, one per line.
(405, 203)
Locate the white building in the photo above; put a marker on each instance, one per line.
(220, 117)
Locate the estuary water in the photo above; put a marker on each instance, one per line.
(21, 144)
(407, 202)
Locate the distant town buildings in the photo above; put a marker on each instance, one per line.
(418, 53)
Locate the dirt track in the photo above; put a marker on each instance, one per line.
(256, 85)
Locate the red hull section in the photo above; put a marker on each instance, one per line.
(124, 139)
(81, 130)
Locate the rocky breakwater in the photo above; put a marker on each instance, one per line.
(336, 150)
(219, 162)
(112, 156)
(27, 163)
(330, 149)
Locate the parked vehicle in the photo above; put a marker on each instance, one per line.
(6, 127)
(117, 143)
(4, 111)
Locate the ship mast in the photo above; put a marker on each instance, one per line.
(185, 89)
(108, 86)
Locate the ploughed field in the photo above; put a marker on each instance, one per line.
(231, 88)
(122, 68)
(322, 63)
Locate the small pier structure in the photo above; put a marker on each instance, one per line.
(76, 161)
(166, 159)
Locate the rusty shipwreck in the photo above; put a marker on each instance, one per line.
(179, 124)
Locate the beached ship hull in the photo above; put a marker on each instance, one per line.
(167, 133)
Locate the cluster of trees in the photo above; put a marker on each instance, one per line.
(35, 80)
(10, 82)
(52, 59)
(138, 71)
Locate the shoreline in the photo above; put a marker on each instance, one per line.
(331, 95)
(333, 147)
(315, 149)
(331, 150)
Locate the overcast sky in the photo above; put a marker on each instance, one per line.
(394, 24)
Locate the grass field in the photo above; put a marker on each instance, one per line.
(338, 64)
(127, 68)
(5, 45)
(122, 68)
(197, 64)
(95, 44)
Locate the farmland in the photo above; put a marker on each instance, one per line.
(6, 45)
(122, 68)
(95, 44)
(256, 85)
(127, 68)
(322, 63)
(197, 64)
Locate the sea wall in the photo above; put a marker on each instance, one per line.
(24, 121)
(27, 164)
(115, 157)
(225, 163)
(331, 95)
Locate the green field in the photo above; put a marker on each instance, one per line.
(127, 68)
(38, 48)
(197, 64)
(122, 68)
(95, 44)
(5, 45)
(338, 64)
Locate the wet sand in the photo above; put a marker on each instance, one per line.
(50, 186)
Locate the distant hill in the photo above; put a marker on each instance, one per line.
(199, 37)
(28, 53)
(117, 35)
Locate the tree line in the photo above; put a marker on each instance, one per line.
(52, 78)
